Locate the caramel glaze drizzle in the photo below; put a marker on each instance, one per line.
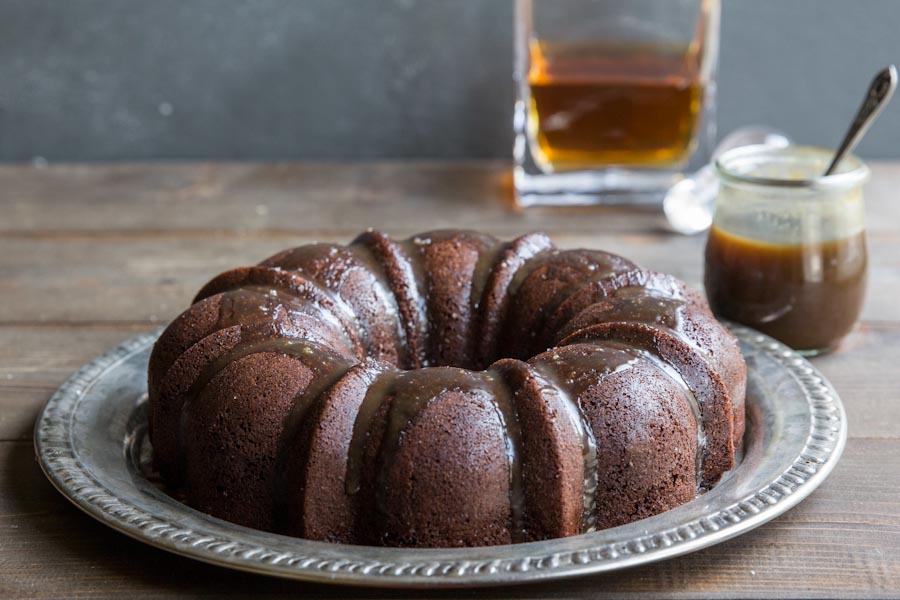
(486, 263)
(588, 442)
(354, 256)
(642, 302)
(327, 367)
(404, 282)
(376, 268)
(512, 432)
(267, 305)
(410, 392)
(327, 372)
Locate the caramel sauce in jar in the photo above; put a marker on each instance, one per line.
(786, 254)
(808, 296)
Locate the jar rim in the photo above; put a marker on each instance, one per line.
(854, 172)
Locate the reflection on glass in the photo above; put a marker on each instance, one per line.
(614, 95)
(787, 251)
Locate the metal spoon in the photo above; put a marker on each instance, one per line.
(689, 204)
(880, 92)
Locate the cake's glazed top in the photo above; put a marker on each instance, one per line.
(449, 389)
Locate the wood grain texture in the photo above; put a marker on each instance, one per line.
(93, 254)
(125, 278)
(333, 199)
(276, 198)
(34, 361)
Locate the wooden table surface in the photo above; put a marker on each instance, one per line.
(93, 254)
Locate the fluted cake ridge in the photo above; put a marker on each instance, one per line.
(445, 390)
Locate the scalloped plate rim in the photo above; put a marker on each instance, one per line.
(393, 567)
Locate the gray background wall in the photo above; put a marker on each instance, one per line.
(117, 79)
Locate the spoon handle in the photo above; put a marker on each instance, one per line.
(880, 91)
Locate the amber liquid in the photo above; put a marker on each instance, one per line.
(809, 296)
(613, 104)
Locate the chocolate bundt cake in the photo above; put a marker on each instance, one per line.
(447, 390)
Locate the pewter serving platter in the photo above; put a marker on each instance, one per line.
(91, 440)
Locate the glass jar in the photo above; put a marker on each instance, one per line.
(786, 253)
(615, 98)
